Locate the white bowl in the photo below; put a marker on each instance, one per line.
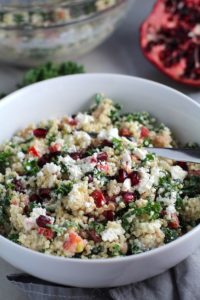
(70, 94)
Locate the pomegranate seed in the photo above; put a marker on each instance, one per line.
(102, 156)
(94, 236)
(135, 178)
(40, 132)
(26, 210)
(122, 175)
(144, 132)
(125, 132)
(183, 165)
(109, 215)
(54, 154)
(76, 155)
(110, 199)
(43, 160)
(72, 122)
(45, 193)
(106, 143)
(18, 185)
(128, 197)
(43, 221)
(90, 178)
(98, 198)
(34, 198)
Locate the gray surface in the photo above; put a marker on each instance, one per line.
(119, 54)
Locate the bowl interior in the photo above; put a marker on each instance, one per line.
(70, 94)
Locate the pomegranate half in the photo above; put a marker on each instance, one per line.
(170, 39)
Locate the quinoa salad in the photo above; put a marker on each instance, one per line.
(84, 186)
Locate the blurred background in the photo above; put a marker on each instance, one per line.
(31, 36)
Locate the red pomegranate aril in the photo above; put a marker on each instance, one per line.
(18, 185)
(128, 197)
(44, 193)
(76, 155)
(109, 215)
(43, 160)
(125, 132)
(34, 198)
(72, 122)
(26, 210)
(43, 221)
(183, 165)
(106, 143)
(144, 132)
(110, 198)
(90, 178)
(94, 236)
(98, 197)
(40, 132)
(54, 154)
(102, 156)
(122, 175)
(135, 178)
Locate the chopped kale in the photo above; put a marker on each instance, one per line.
(191, 186)
(97, 249)
(170, 235)
(4, 160)
(50, 70)
(13, 237)
(64, 188)
(115, 113)
(31, 167)
(98, 227)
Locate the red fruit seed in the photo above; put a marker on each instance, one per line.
(122, 175)
(102, 156)
(128, 197)
(135, 178)
(98, 197)
(40, 132)
(43, 221)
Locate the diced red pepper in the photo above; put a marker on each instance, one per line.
(174, 223)
(55, 148)
(144, 132)
(33, 151)
(47, 232)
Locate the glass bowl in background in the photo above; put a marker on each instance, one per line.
(36, 31)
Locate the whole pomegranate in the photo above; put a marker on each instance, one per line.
(170, 39)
